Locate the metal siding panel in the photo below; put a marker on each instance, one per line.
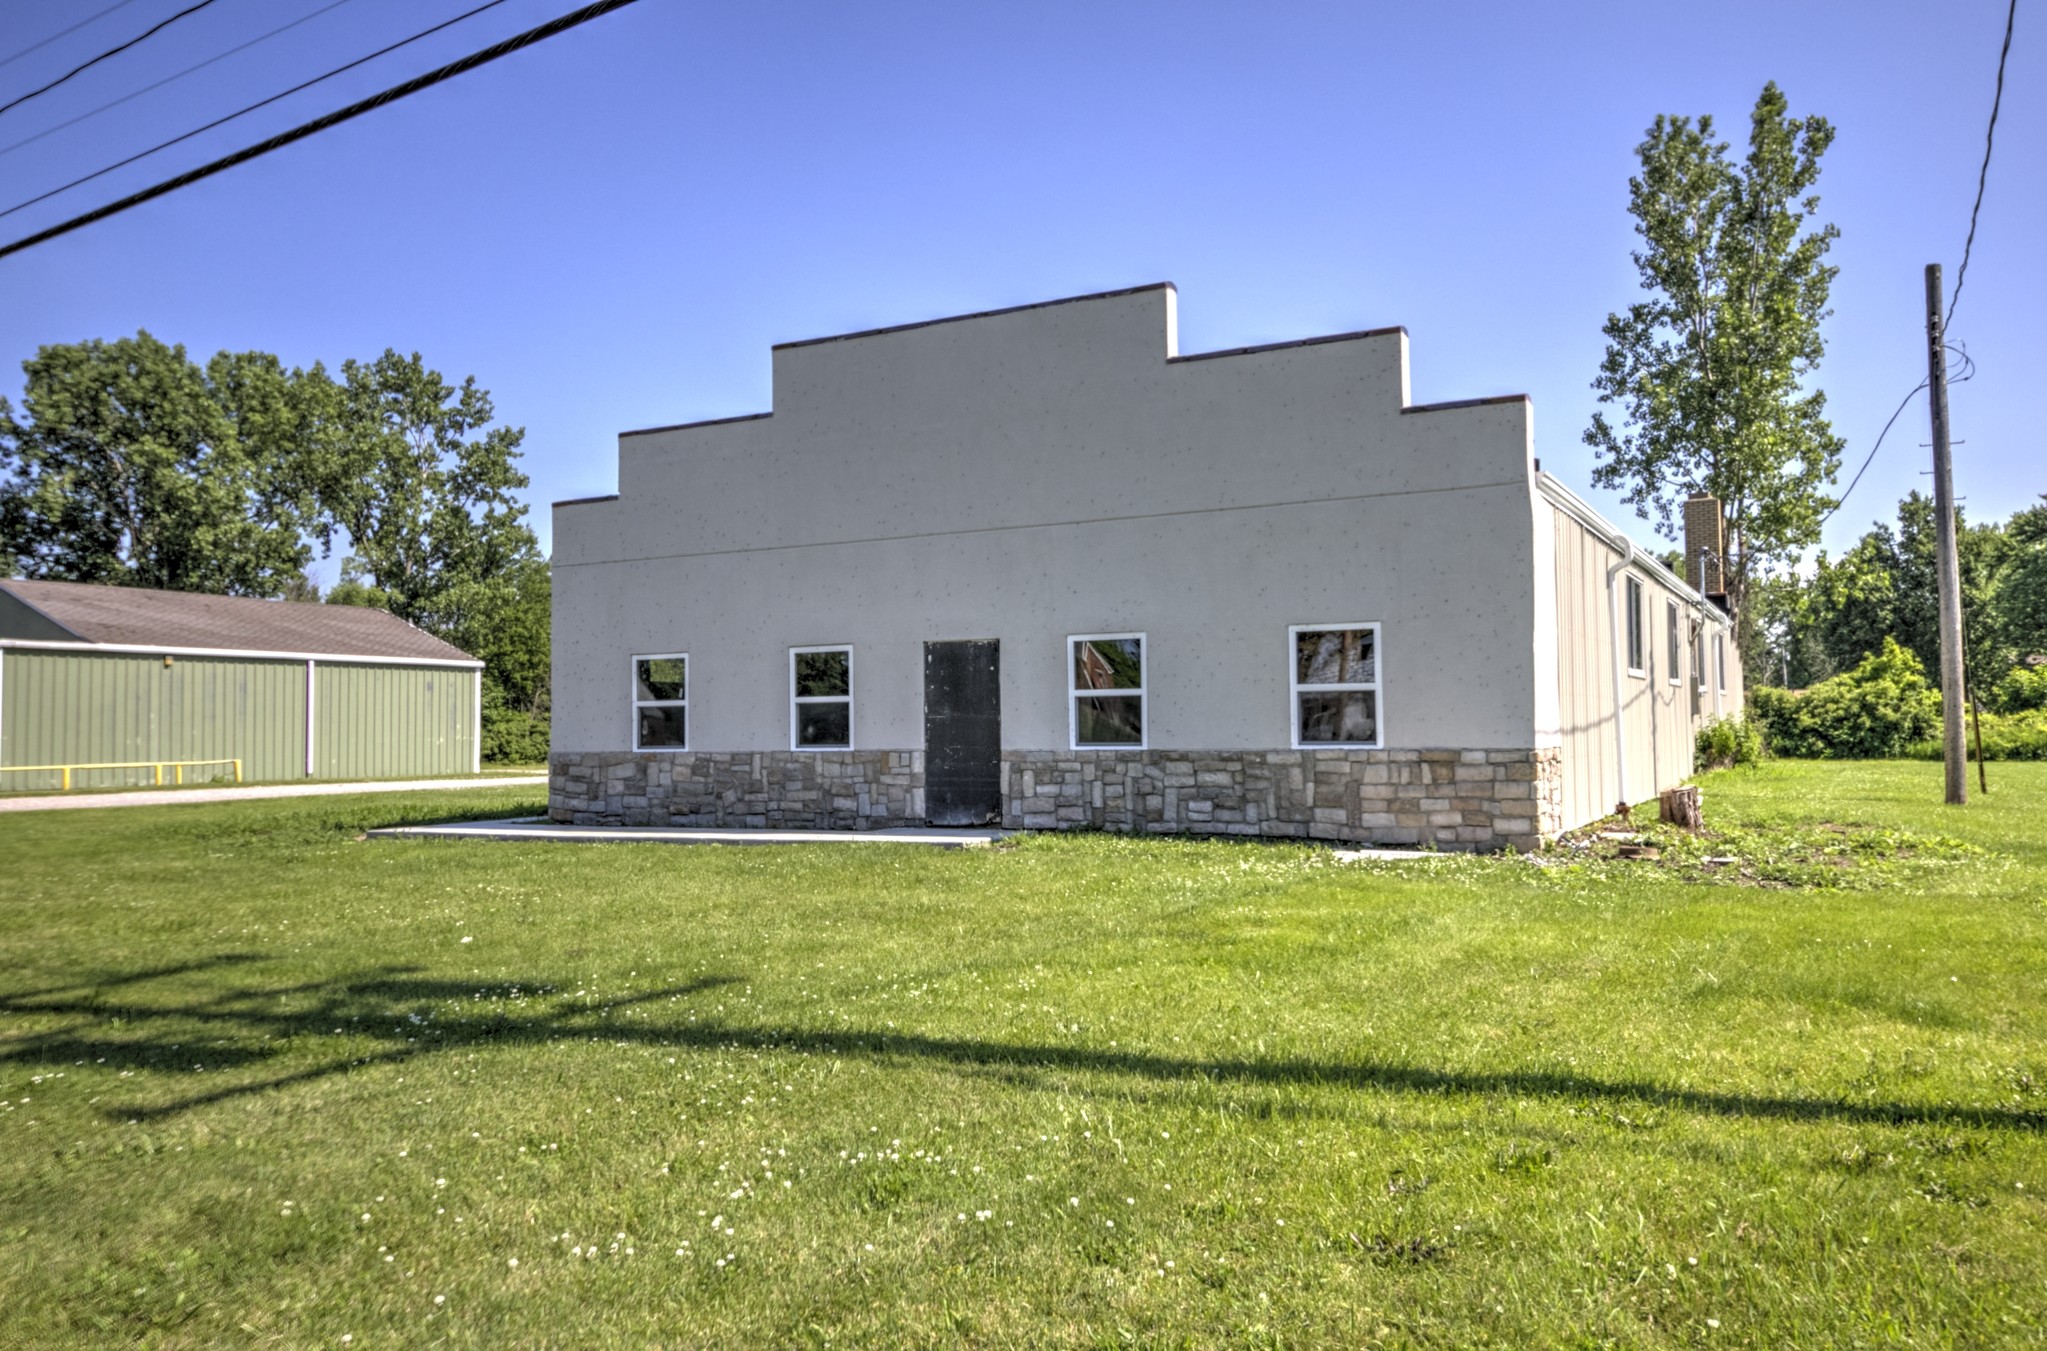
(85, 707)
(1585, 676)
(392, 721)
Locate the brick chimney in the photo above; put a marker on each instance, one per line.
(1705, 545)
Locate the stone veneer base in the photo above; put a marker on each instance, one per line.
(1452, 799)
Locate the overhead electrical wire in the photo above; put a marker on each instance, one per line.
(111, 51)
(65, 32)
(319, 124)
(1968, 369)
(1961, 273)
(261, 103)
(168, 79)
(1983, 175)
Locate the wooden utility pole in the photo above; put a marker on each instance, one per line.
(1953, 743)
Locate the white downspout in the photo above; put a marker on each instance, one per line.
(1620, 711)
(309, 717)
(476, 724)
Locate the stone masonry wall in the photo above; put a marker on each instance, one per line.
(1453, 799)
(801, 790)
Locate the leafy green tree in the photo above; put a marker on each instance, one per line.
(408, 471)
(1887, 585)
(1852, 604)
(2019, 593)
(1780, 644)
(1708, 373)
(129, 464)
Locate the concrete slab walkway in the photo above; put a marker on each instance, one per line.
(158, 797)
(539, 828)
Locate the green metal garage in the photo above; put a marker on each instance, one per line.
(104, 686)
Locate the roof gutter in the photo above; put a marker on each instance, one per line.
(1579, 510)
(153, 650)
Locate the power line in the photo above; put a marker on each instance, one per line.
(66, 32)
(168, 79)
(263, 103)
(319, 124)
(1869, 458)
(1983, 175)
(1968, 373)
(111, 51)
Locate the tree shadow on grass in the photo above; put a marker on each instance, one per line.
(410, 1015)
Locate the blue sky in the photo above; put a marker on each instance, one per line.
(610, 229)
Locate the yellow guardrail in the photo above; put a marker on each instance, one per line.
(177, 767)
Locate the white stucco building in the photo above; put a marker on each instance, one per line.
(1035, 566)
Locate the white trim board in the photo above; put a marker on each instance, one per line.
(239, 654)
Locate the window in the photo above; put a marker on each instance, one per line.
(1720, 661)
(1335, 682)
(1676, 670)
(1105, 695)
(661, 702)
(1698, 656)
(821, 698)
(1637, 657)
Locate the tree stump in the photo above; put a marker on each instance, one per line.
(1680, 806)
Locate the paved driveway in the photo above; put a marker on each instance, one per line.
(157, 797)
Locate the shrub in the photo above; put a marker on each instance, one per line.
(511, 736)
(2006, 736)
(2023, 690)
(1729, 741)
(1875, 711)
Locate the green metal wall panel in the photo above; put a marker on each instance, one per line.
(59, 707)
(393, 721)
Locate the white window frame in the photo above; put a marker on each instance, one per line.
(1698, 658)
(796, 700)
(1673, 649)
(1295, 687)
(1634, 624)
(1142, 694)
(1720, 662)
(632, 672)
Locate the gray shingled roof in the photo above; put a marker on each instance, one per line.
(139, 617)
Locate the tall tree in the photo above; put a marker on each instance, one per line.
(2019, 597)
(1886, 585)
(1709, 372)
(131, 465)
(409, 471)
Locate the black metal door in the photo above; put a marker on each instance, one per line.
(962, 733)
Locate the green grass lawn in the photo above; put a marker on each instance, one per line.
(263, 1082)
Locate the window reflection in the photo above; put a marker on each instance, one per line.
(1341, 716)
(1336, 657)
(1108, 664)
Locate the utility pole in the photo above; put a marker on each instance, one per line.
(1953, 744)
